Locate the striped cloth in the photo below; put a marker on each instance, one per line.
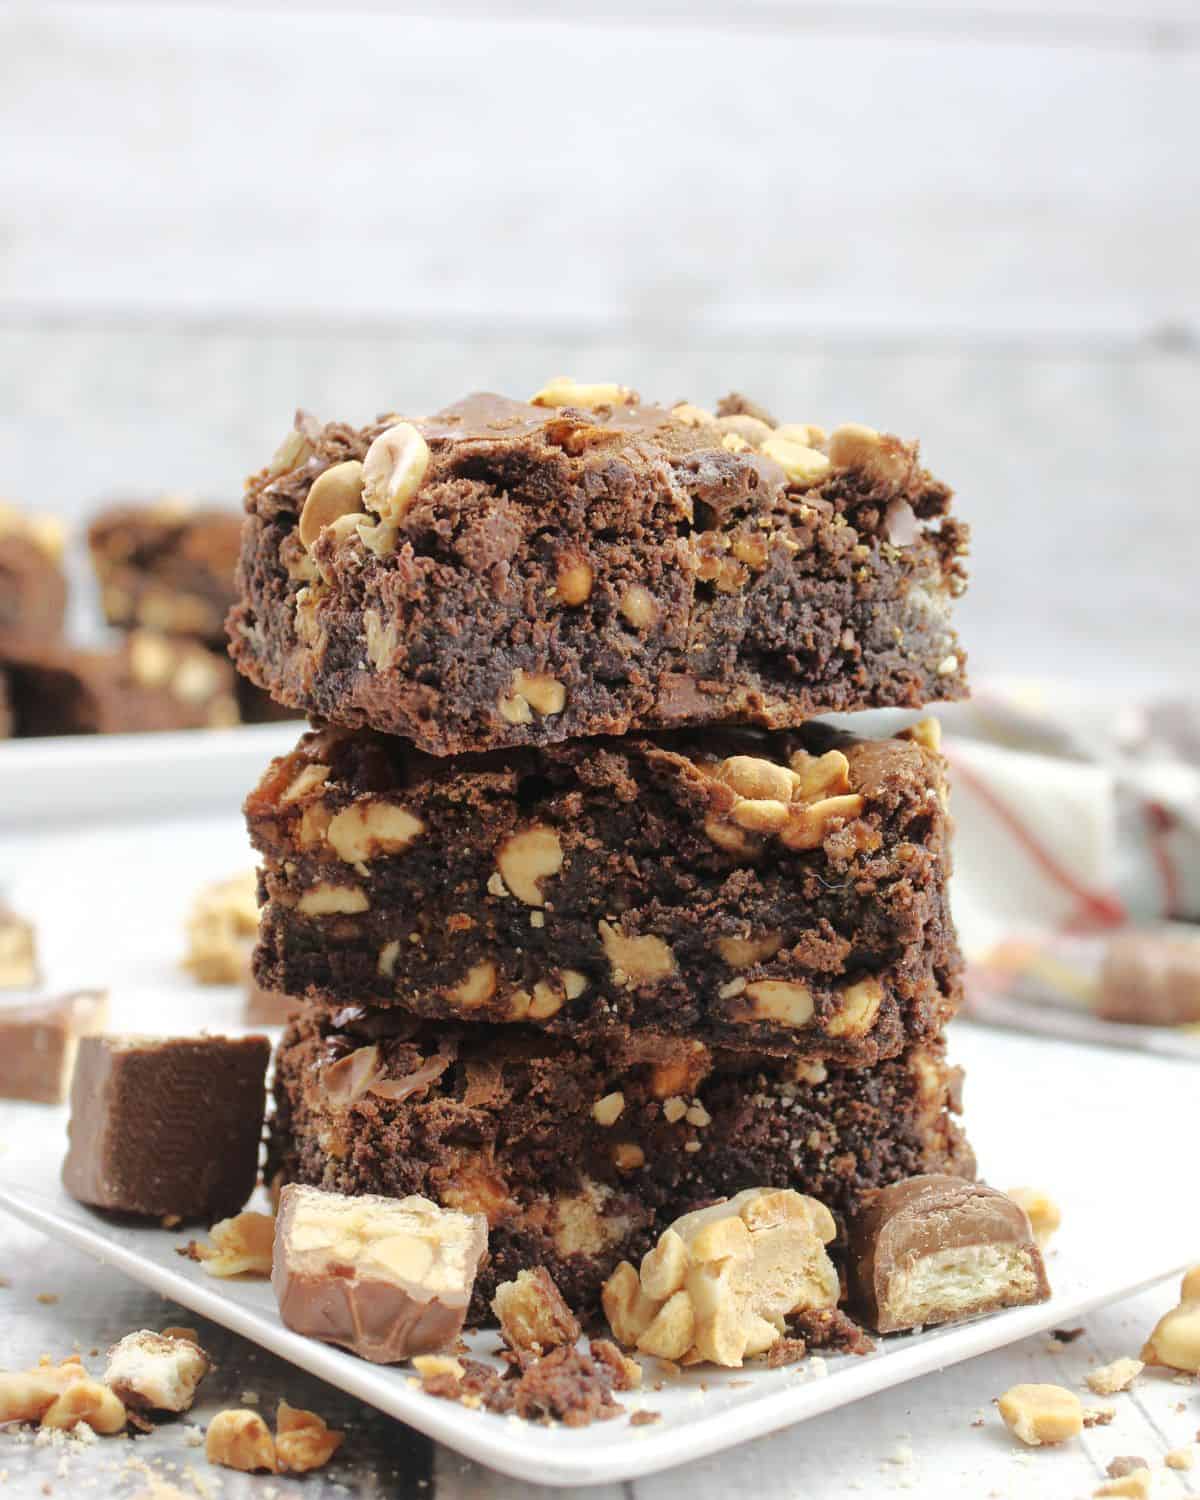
(1073, 821)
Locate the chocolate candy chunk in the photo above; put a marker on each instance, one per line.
(1151, 977)
(166, 1125)
(39, 1040)
(935, 1249)
(18, 960)
(385, 1277)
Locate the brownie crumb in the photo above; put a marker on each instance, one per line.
(1067, 1335)
(831, 1329)
(568, 1387)
(1121, 1466)
(644, 1418)
(787, 1351)
(1098, 1416)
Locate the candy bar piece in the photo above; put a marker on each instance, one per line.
(167, 565)
(166, 1125)
(778, 892)
(18, 955)
(154, 1372)
(39, 1040)
(384, 1277)
(581, 1154)
(935, 1249)
(1151, 978)
(509, 572)
(267, 1007)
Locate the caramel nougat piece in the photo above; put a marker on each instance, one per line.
(385, 1277)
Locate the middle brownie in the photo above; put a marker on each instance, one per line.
(777, 891)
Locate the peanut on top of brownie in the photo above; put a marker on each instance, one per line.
(510, 572)
(783, 891)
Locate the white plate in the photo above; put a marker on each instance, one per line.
(1100, 1131)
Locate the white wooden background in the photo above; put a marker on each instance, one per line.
(976, 222)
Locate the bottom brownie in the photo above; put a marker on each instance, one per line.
(581, 1155)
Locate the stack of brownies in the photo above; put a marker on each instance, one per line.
(587, 921)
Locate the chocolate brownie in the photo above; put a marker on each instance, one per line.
(167, 566)
(149, 682)
(581, 1155)
(778, 890)
(33, 587)
(512, 573)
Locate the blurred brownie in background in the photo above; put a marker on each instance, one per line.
(167, 565)
(149, 682)
(33, 587)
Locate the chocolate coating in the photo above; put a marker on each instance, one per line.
(363, 1303)
(934, 1215)
(38, 1041)
(166, 1125)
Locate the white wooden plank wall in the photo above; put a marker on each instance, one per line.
(975, 222)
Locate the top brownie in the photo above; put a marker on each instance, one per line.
(33, 587)
(510, 573)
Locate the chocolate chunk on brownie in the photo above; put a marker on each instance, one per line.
(510, 573)
(168, 566)
(775, 890)
(148, 682)
(33, 587)
(581, 1155)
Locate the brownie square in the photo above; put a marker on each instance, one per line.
(581, 1154)
(659, 883)
(509, 573)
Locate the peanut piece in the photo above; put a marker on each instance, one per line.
(239, 1246)
(1107, 1380)
(1175, 1341)
(1041, 1414)
(392, 472)
(365, 829)
(1041, 1210)
(743, 953)
(781, 1000)
(526, 859)
(335, 493)
(476, 988)
(752, 777)
(809, 827)
(607, 1111)
(86, 1401)
(853, 446)
(239, 1440)
(532, 1313)
(761, 816)
(563, 391)
(860, 1006)
(532, 692)
(664, 1269)
(325, 899)
(639, 607)
(820, 775)
(628, 1310)
(303, 1441)
(671, 1331)
(636, 960)
(574, 580)
(803, 465)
